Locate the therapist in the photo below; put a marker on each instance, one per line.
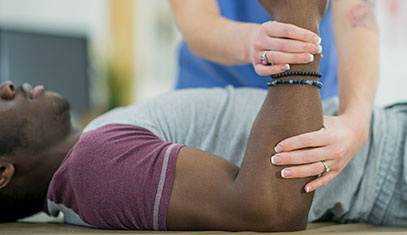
(235, 42)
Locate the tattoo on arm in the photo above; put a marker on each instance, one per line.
(363, 15)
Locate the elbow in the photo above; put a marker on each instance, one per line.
(194, 46)
(284, 222)
(276, 218)
(291, 224)
(281, 223)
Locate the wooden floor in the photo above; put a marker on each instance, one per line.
(315, 228)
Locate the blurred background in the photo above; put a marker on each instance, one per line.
(98, 53)
(104, 53)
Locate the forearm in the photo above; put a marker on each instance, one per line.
(288, 110)
(357, 45)
(210, 35)
(211, 193)
(221, 41)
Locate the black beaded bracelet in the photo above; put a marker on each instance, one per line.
(296, 73)
(305, 82)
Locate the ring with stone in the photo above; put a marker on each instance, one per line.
(263, 59)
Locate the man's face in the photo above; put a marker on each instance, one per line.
(31, 118)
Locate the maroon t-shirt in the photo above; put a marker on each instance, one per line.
(115, 177)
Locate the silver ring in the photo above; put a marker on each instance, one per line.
(264, 60)
(327, 169)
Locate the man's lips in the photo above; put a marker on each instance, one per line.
(27, 90)
(31, 93)
(37, 90)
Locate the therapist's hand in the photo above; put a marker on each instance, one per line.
(286, 44)
(336, 144)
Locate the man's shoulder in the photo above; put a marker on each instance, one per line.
(112, 138)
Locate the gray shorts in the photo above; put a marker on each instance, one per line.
(390, 206)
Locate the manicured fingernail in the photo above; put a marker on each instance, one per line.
(317, 40)
(308, 189)
(278, 149)
(318, 49)
(275, 159)
(285, 173)
(285, 67)
(309, 58)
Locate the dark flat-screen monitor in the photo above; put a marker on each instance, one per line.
(59, 62)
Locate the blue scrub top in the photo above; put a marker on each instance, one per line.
(195, 71)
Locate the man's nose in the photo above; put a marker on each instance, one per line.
(7, 90)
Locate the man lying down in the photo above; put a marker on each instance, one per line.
(119, 172)
(194, 159)
(139, 167)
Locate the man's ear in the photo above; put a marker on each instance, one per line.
(6, 173)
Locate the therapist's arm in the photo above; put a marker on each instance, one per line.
(357, 44)
(225, 41)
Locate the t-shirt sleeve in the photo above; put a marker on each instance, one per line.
(115, 177)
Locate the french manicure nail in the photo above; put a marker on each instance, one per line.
(285, 173)
(278, 149)
(308, 189)
(309, 58)
(275, 159)
(319, 49)
(285, 67)
(317, 40)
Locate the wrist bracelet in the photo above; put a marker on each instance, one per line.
(296, 73)
(305, 82)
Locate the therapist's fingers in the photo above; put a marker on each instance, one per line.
(303, 156)
(312, 139)
(307, 170)
(276, 57)
(321, 181)
(289, 45)
(266, 70)
(282, 44)
(283, 30)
